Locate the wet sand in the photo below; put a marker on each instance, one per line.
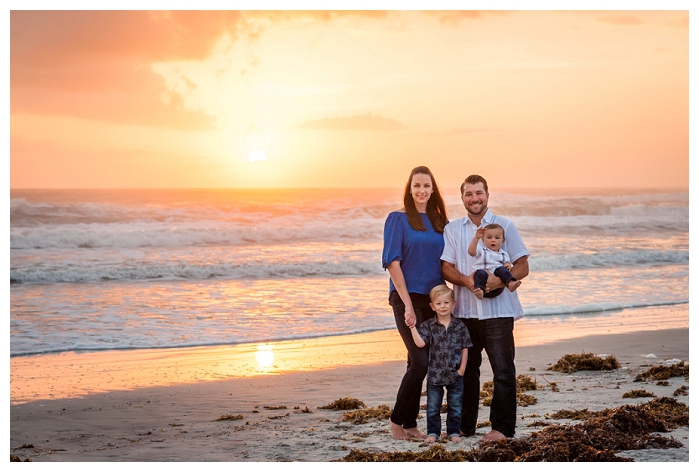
(162, 405)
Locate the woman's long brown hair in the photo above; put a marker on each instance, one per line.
(436, 210)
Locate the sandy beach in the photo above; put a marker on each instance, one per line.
(134, 406)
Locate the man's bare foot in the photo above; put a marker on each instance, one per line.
(397, 431)
(478, 293)
(512, 286)
(430, 439)
(493, 436)
(455, 439)
(415, 433)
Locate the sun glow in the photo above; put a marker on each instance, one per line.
(257, 155)
(264, 356)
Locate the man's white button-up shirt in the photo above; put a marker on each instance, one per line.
(457, 238)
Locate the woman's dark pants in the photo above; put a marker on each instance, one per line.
(496, 337)
(408, 399)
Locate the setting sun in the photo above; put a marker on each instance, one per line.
(257, 155)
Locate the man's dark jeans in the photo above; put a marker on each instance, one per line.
(408, 399)
(496, 337)
(480, 277)
(435, 394)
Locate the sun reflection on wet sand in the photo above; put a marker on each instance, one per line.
(72, 374)
(264, 356)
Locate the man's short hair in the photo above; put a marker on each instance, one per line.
(474, 179)
(440, 290)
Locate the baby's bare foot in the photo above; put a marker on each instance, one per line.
(478, 293)
(430, 439)
(455, 439)
(512, 286)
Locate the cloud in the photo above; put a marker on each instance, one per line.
(97, 64)
(454, 18)
(460, 131)
(357, 122)
(681, 22)
(622, 20)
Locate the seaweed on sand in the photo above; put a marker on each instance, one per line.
(344, 404)
(524, 383)
(638, 394)
(664, 372)
(628, 427)
(583, 414)
(436, 453)
(229, 417)
(363, 415)
(585, 361)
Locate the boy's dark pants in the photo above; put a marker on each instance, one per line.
(496, 337)
(480, 277)
(435, 393)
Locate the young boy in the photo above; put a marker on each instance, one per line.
(490, 257)
(449, 341)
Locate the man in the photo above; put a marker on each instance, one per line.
(490, 321)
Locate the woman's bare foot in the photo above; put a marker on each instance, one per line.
(512, 286)
(430, 439)
(455, 439)
(415, 433)
(493, 436)
(478, 293)
(397, 431)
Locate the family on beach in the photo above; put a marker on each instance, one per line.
(445, 330)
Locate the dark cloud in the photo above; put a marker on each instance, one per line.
(357, 122)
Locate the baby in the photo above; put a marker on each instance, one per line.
(491, 258)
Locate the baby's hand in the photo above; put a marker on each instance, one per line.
(480, 232)
(507, 265)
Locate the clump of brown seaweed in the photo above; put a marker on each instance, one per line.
(638, 394)
(437, 453)
(363, 415)
(683, 390)
(524, 383)
(628, 427)
(344, 404)
(229, 417)
(664, 372)
(583, 414)
(585, 361)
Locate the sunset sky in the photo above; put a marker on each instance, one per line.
(348, 99)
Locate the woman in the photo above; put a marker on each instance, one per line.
(413, 244)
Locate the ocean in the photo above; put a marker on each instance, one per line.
(137, 269)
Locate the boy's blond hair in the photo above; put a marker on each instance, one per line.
(440, 290)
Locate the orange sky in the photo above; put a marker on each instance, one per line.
(351, 99)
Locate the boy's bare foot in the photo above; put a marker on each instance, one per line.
(478, 293)
(455, 439)
(415, 433)
(397, 431)
(430, 439)
(493, 436)
(512, 286)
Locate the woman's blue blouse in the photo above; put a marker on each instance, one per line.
(419, 252)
